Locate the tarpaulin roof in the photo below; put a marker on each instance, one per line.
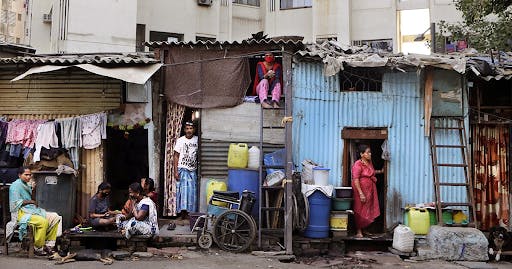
(335, 56)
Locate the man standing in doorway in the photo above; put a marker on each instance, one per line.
(185, 167)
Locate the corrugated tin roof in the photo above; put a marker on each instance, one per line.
(286, 42)
(72, 59)
(334, 55)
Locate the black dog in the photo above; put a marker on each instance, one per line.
(498, 238)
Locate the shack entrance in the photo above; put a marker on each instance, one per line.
(374, 138)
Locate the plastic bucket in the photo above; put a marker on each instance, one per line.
(245, 179)
(319, 210)
(339, 221)
(321, 176)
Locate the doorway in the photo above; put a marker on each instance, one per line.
(126, 161)
(374, 138)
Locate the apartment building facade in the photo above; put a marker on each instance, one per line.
(12, 21)
(71, 26)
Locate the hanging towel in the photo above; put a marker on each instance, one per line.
(46, 137)
(71, 137)
(94, 128)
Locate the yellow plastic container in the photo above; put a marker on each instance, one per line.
(339, 221)
(238, 155)
(418, 220)
(215, 185)
(459, 217)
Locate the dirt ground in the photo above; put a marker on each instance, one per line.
(184, 258)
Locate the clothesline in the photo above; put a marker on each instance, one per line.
(27, 136)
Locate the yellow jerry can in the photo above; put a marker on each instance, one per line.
(215, 185)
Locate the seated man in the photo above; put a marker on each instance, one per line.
(268, 77)
(142, 219)
(28, 213)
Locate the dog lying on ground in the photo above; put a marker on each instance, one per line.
(498, 238)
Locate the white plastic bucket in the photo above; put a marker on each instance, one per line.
(321, 176)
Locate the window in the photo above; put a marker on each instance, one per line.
(360, 79)
(140, 37)
(18, 40)
(255, 3)
(19, 16)
(287, 4)
(164, 36)
(205, 38)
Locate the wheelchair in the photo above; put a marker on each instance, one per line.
(232, 226)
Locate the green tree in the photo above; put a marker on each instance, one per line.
(486, 25)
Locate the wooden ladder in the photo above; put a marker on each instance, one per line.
(446, 124)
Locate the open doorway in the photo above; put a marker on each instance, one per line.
(374, 138)
(126, 161)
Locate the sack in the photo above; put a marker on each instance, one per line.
(307, 171)
(403, 239)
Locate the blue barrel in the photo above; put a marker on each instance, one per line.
(245, 179)
(319, 214)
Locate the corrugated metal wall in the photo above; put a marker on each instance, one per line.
(214, 157)
(320, 112)
(58, 92)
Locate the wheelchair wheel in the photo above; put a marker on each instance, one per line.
(234, 230)
(205, 240)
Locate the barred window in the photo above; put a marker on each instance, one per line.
(360, 79)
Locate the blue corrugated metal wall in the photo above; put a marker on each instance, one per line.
(320, 113)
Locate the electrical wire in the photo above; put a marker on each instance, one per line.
(490, 114)
(258, 53)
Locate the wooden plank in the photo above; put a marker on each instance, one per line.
(352, 133)
(429, 88)
(288, 216)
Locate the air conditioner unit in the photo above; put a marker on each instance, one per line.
(47, 18)
(204, 2)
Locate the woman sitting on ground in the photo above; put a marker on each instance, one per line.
(100, 214)
(142, 219)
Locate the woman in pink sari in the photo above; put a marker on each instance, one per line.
(366, 200)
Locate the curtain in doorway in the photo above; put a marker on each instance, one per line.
(173, 124)
(492, 182)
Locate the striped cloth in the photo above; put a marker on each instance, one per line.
(186, 195)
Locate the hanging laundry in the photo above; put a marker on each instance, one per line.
(71, 137)
(94, 128)
(46, 137)
(23, 132)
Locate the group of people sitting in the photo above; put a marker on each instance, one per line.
(139, 213)
(138, 216)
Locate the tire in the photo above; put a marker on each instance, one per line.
(234, 230)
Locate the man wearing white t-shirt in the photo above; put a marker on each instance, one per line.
(185, 167)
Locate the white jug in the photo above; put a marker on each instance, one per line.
(254, 158)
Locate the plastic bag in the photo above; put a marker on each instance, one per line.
(276, 158)
(307, 171)
(386, 155)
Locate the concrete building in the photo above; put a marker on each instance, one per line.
(12, 18)
(56, 26)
